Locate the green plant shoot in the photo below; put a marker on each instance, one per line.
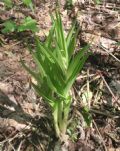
(28, 3)
(9, 26)
(57, 70)
(8, 3)
(27, 24)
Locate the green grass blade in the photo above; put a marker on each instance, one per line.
(76, 61)
(75, 67)
(44, 69)
(55, 79)
(45, 51)
(61, 38)
(50, 37)
(59, 59)
(71, 47)
(70, 35)
(50, 56)
(75, 73)
(72, 44)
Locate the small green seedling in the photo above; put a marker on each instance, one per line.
(27, 24)
(9, 26)
(28, 3)
(118, 43)
(57, 69)
(8, 3)
(97, 1)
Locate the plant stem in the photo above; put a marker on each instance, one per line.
(55, 118)
(65, 116)
(60, 115)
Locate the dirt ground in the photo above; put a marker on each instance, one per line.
(25, 119)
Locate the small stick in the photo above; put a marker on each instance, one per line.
(88, 89)
(85, 76)
(116, 101)
(100, 135)
(103, 113)
(110, 53)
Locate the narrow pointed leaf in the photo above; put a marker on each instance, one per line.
(72, 44)
(49, 55)
(76, 61)
(34, 74)
(51, 71)
(50, 100)
(70, 34)
(74, 74)
(50, 37)
(61, 38)
(44, 71)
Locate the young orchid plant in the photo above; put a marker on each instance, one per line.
(57, 70)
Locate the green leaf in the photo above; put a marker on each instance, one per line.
(34, 74)
(53, 77)
(50, 37)
(118, 43)
(61, 39)
(50, 100)
(71, 40)
(42, 68)
(8, 3)
(76, 61)
(28, 3)
(87, 116)
(70, 34)
(69, 2)
(9, 26)
(28, 24)
(49, 55)
(97, 1)
(75, 67)
(40, 80)
(71, 47)
(48, 69)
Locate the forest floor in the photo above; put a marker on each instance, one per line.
(25, 119)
